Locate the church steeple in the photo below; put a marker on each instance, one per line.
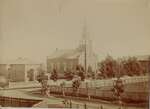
(84, 30)
(85, 40)
(87, 57)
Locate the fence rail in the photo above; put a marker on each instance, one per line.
(135, 92)
(109, 82)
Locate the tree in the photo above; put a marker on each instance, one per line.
(93, 75)
(99, 75)
(90, 73)
(89, 69)
(132, 66)
(82, 75)
(54, 75)
(43, 79)
(41, 74)
(108, 67)
(30, 74)
(68, 75)
(80, 72)
(76, 84)
(118, 89)
(148, 64)
(3, 81)
(116, 68)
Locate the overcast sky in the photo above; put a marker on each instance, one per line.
(35, 28)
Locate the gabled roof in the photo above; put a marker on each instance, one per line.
(20, 61)
(65, 53)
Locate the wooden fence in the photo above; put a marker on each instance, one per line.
(100, 93)
(75, 105)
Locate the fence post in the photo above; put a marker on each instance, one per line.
(77, 106)
(70, 104)
(85, 106)
(101, 107)
(87, 88)
(120, 102)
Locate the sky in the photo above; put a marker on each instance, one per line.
(35, 28)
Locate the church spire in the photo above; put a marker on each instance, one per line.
(85, 40)
(84, 30)
(84, 43)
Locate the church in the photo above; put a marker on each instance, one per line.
(67, 59)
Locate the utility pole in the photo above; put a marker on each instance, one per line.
(85, 55)
(85, 44)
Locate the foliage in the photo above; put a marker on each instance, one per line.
(89, 69)
(99, 75)
(118, 87)
(148, 69)
(80, 72)
(132, 66)
(3, 81)
(93, 75)
(76, 84)
(68, 75)
(41, 74)
(82, 75)
(43, 79)
(90, 73)
(54, 75)
(108, 67)
(30, 74)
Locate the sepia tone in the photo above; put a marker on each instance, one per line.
(82, 54)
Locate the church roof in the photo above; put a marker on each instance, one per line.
(65, 53)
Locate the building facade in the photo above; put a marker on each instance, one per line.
(145, 62)
(3, 69)
(20, 69)
(64, 60)
(61, 64)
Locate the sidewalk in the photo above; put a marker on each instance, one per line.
(24, 84)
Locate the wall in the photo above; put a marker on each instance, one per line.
(3, 69)
(91, 60)
(61, 64)
(17, 72)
